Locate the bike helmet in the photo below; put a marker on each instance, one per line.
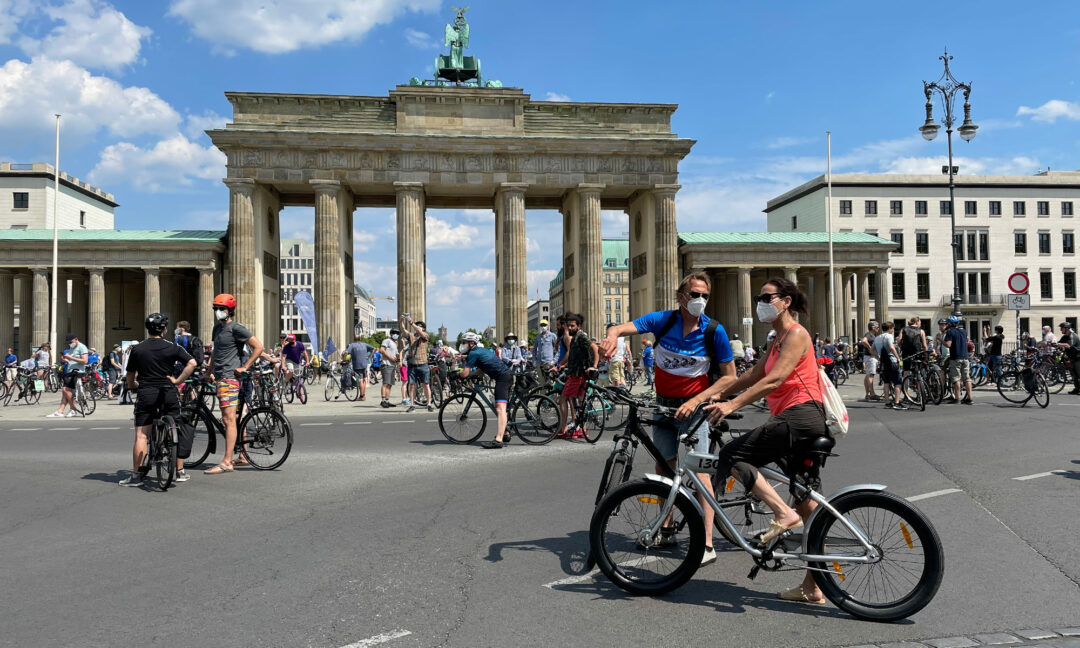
(511, 336)
(1065, 325)
(953, 319)
(470, 337)
(226, 300)
(943, 321)
(291, 337)
(156, 323)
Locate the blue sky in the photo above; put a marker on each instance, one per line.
(758, 85)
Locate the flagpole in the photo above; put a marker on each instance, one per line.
(828, 223)
(55, 237)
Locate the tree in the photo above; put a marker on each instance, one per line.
(532, 338)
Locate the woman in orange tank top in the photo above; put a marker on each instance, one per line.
(788, 380)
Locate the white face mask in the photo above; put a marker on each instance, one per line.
(73, 344)
(464, 348)
(394, 336)
(767, 313)
(221, 315)
(543, 329)
(696, 306)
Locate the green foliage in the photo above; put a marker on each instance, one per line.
(532, 338)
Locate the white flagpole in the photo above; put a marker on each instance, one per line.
(55, 237)
(828, 223)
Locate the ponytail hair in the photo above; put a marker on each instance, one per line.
(785, 288)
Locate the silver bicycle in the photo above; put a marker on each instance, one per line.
(872, 553)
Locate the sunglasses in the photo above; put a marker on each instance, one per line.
(766, 298)
(697, 295)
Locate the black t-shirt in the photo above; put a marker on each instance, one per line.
(154, 361)
(995, 343)
(911, 342)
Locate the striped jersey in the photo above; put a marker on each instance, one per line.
(682, 363)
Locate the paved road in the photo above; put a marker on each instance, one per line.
(377, 532)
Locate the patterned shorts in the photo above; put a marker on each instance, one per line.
(228, 392)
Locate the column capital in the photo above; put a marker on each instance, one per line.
(862, 272)
(400, 187)
(40, 270)
(244, 186)
(325, 186)
(666, 189)
(511, 187)
(588, 188)
(206, 270)
(95, 269)
(152, 270)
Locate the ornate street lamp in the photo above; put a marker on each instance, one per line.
(946, 88)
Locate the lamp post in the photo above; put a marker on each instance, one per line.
(946, 88)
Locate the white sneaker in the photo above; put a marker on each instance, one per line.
(70, 414)
(182, 476)
(133, 479)
(54, 415)
(709, 557)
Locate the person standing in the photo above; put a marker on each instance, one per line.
(388, 359)
(912, 339)
(294, 355)
(648, 362)
(112, 368)
(993, 352)
(358, 353)
(74, 367)
(870, 359)
(617, 362)
(736, 346)
(544, 353)
(885, 345)
(1049, 340)
(43, 359)
(582, 359)
(510, 353)
(417, 359)
(228, 364)
(1070, 344)
(477, 358)
(11, 367)
(956, 341)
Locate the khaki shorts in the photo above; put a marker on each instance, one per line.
(616, 372)
(959, 370)
(870, 364)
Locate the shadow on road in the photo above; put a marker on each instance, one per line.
(435, 442)
(112, 477)
(571, 549)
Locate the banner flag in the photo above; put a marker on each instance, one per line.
(330, 348)
(305, 305)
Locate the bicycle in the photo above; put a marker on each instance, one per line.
(1023, 384)
(648, 536)
(463, 416)
(921, 385)
(264, 435)
(295, 389)
(163, 442)
(83, 400)
(590, 410)
(28, 386)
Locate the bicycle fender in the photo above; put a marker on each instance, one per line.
(854, 488)
(682, 489)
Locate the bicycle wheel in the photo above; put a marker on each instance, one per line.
(841, 376)
(912, 560)
(528, 425)
(1041, 392)
(617, 470)
(200, 444)
(267, 438)
(208, 396)
(87, 402)
(546, 408)
(661, 564)
(748, 513)
(935, 386)
(616, 414)
(593, 417)
(1054, 380)
(32, 395)
(352, 392)
(910, 388)
(5, 395)
(332, 389)
(165, 451)
(436, 391)
(1011, 387)
(462, 418)
(301, 393)
(290, 393)
(309, 375)
(52, 382)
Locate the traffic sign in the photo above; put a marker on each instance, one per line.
(1018, 302)
(1018, 282)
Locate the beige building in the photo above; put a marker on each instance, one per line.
(296, 274)
(364, 319)
(539, 310)
(616, 282)
(27, 193)
(1005, 224)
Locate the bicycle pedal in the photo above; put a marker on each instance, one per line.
(753, 572)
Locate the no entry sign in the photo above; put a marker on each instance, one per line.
(1018, 282)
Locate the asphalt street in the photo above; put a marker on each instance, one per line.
(377, 531)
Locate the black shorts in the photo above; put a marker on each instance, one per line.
(771, 441)
(155, 402)
(70, 379)
(503, 384)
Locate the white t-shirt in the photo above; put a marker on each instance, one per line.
(620, 350)
(1050, 338)
(881, 345)
(388, 346)
(748, 354)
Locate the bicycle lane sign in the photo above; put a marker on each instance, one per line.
(1018, 302)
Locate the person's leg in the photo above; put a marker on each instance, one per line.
(1074, 367)
(67, 399)
(563, 407)
(500, 416)
(138, 451)
(228, 419)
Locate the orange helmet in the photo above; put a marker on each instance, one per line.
(226, 300)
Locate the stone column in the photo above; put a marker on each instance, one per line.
(730, 295)
(513, 290)
(411, 250)
(244, 281)
(745, 306)
(862, 307)
(590, 261)
(328, 277)
(848, 295)
(881, 295)
(792, 275)
(152, 291)
(820, 313)
(41, 307)
(837, 285)
(7, 310)
(206, 298)
(667, 248)
(95, 320)
(26, 309)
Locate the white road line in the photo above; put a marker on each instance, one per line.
(636, 562)
(315, 424)
(1042, 474)
(357, 422)
(409, 421)
(378, 639)
(108, 428)
(947, 491)
(62, 429)
(24, 429)
(431, 420)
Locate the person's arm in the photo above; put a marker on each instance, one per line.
(595, 351)
(256, 353)
(131, 379)
(185, 374)
(790, 354)
(608, 345)
(726, 382)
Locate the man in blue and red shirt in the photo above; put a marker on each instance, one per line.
(689, 346)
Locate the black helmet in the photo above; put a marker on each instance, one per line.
(156, 323)
(943, 321)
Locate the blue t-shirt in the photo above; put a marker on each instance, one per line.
(92, 359)
(74, 367)
(485, 360)
(647, 357)
(958, 349)
(682, 364)
(11, 360)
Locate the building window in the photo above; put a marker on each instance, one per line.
(1046, 285)
(896, 207)
(607, 278)
(995, 208)
(946, 208)
(898, 238)
(21, 200)
(845, 207)
(618, 304)
(1067, 243)
(1043, 207)
(984, 246)
(82, 219)
(794, 223)
(1048, 321)
(958, 242)
(922, 281)
(1044, 242)
(871, 283)
(920, 208)
(1070, 284)
(871, 207)
(607, 304)
(972, 249)
(898, 286)
(1020, 242)
(970, 208)
(922, 243)
(1066, 208)
(1019, 208)
(1025, 324)
(607, 291)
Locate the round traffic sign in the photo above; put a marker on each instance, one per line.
(1018, 282)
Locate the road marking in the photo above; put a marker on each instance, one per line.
(108, 428)
(947, 491)
(315, 424)
(431, 420)
(378, 639)
(62, 429)
(24, 429)
(636, 562)
(409, 421)
(1042, 474)
(357, 422)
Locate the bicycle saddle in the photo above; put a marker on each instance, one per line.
(822, 444)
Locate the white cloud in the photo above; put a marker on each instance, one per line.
(362, 240)
(12, 12)
(420, 40)
(555, 96)
(1052, 110)
(468, 277)
(277, 26)
(1020, 165)
(91, 33)
(171, 162)
(537, 282)
(441, 235)
(195, 126)
(31, 92)
(446, 296)
(788, 142)
(770, 95)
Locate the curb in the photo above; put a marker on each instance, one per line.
(1061, 637)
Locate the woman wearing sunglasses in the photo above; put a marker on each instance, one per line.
(788, 380)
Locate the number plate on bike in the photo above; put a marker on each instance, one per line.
(703, 463)
(39, 385)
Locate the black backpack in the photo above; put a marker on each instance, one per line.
(911, 342)
(196, 349)
(710, 342)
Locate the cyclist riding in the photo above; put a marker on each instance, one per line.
(479, 358)
(150, 372)
(294, 354)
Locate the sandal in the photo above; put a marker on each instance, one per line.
(240, 460)
(218, 469)
(796, 594)
(776, 529)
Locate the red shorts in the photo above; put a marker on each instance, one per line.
(574, 387)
